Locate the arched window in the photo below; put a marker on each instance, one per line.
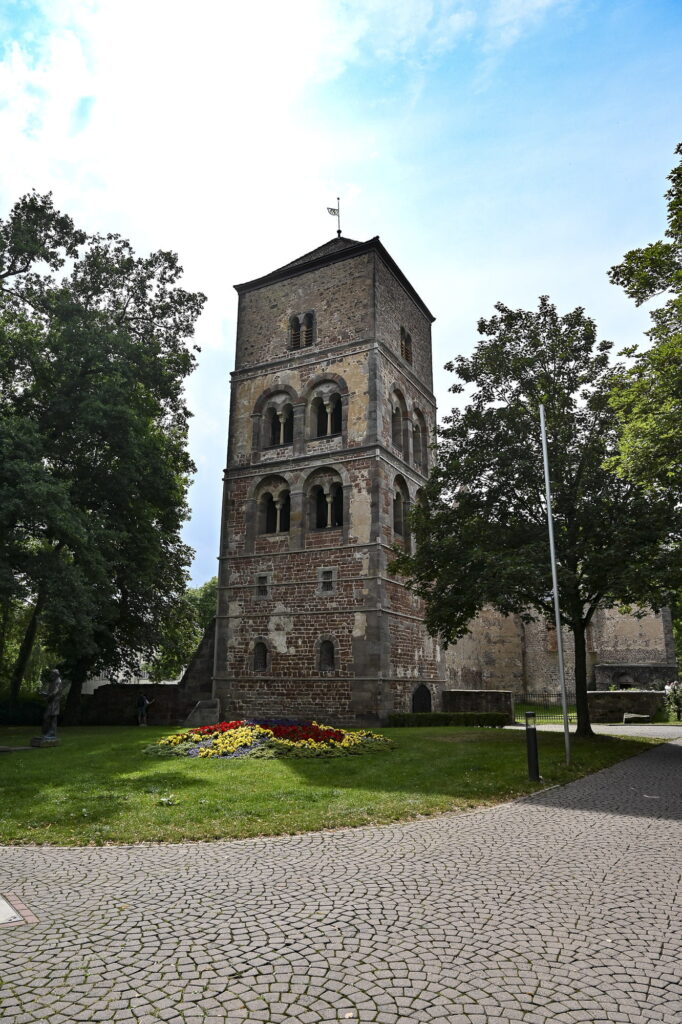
(260, 657)
(285, 513)
(308, 324)
(275, 513)
(421, 699)
(420, 442)
(397, 427)
(280, 426)
(398, 514)
(272, 421)
(294, 332)
(270, 517)
(320, 417)
(405, 345)
(400, 508)
(327, 657)
(318, 502)
(417, 446)
(326, 506)
(327, 415)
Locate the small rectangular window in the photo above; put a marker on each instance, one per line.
(326, 581)
(262, 588)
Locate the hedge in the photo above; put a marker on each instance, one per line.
(494, 719)
(23, 711)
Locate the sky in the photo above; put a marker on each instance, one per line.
(501, 149)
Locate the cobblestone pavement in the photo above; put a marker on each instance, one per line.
(660, 732)
(564, 907)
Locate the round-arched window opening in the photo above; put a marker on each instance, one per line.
(421, 699)
(260, 656)
(295, 332)
(397, 428)
(274, 513)
(398, 514)
(307, 333)
(327, 656)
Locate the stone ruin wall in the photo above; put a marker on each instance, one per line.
(501, 652)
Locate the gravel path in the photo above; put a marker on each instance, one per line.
(563, 907)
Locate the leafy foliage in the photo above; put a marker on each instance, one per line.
(94, 465)
(648, 397)
(481, 527)
(184, 629)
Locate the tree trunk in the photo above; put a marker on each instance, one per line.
(584, 728)
(77, 676)
(26, 649)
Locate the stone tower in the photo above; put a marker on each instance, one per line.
(331, 418)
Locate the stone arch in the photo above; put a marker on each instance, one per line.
(421, 699)
(420, 443)
(273, 417)
(273, 504)
(324, 378)
(399, 422)
(326, 399)
(325, 499)
(401, 508)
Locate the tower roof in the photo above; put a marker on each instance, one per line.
(333, 252)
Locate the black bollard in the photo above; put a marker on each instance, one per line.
(532, 747)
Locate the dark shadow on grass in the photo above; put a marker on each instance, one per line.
(492, 767)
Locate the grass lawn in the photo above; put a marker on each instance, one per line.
(97, 786)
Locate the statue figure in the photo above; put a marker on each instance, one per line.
(53, 692)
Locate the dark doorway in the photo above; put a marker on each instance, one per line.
(421, 699)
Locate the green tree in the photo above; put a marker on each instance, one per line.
(184, 629)
(648, 397)
(481, 528)
(93, 439)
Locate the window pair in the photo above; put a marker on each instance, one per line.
(327, 656)
(301, 330)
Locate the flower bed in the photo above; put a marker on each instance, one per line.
(248, 738)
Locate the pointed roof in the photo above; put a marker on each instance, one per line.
(335, 251)
(329, 248)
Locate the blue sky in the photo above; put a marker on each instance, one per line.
(502, 149)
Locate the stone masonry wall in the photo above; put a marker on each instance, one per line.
(501, 652)
(480, 700)
(610, 706)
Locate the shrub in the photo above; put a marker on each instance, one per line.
(493, 719)
(673, 700)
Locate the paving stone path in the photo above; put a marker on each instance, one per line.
(565, 907)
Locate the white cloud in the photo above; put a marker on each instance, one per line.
(203, 134)
(508, 20)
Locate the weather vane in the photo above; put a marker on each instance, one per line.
(336, 212)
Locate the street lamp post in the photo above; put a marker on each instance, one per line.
(555, 586)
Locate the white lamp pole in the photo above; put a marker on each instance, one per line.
(555, 585)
